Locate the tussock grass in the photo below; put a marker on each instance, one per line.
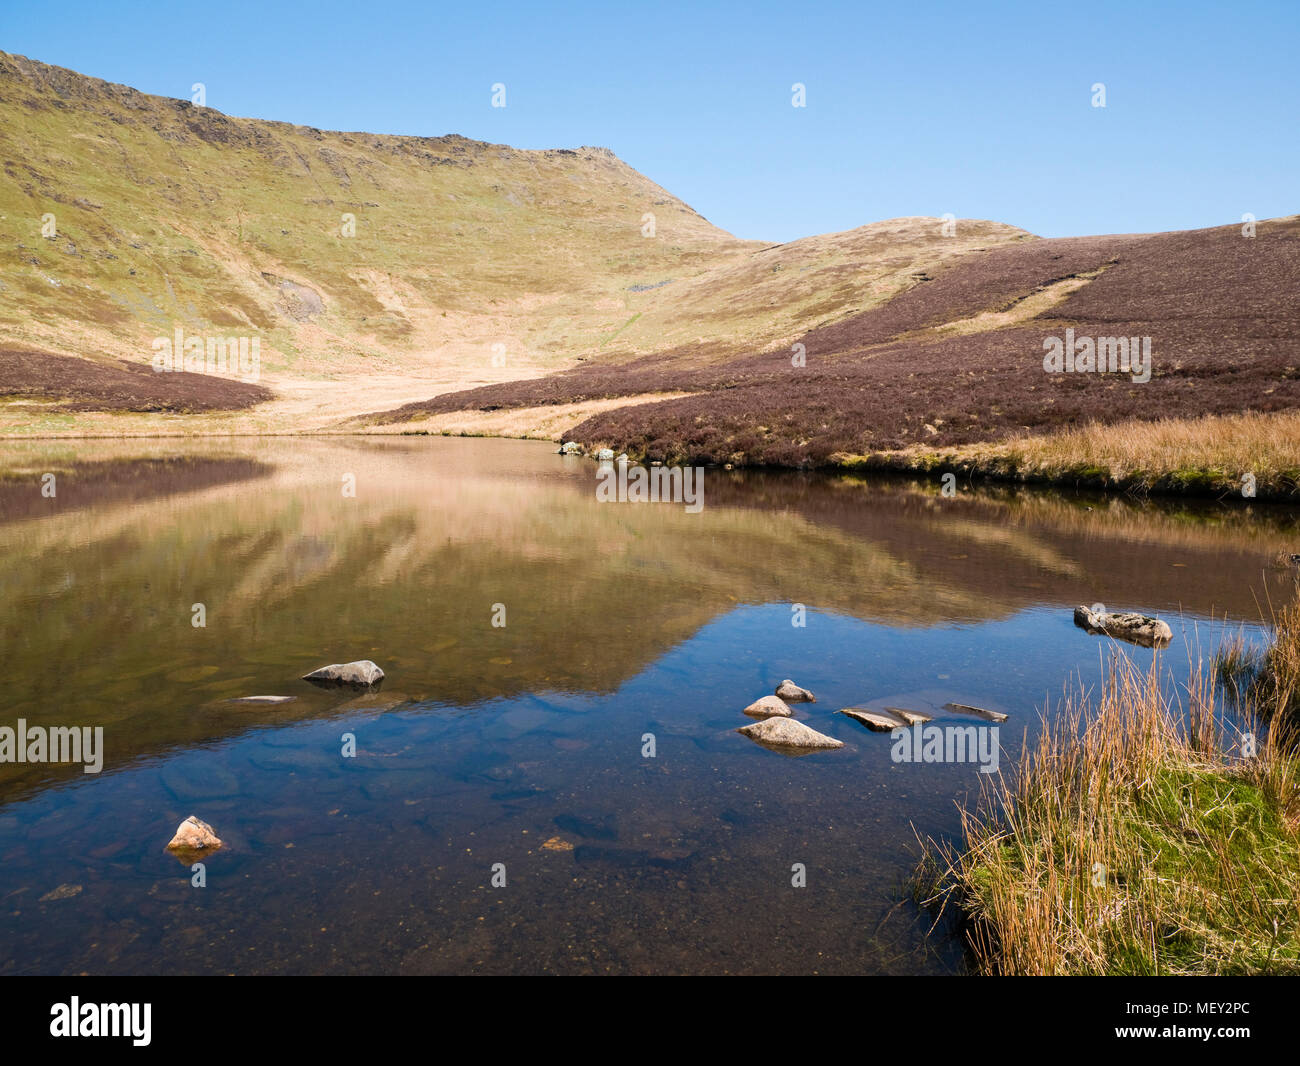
(1138, 835)
(1237, 664)
(1209, 453)
(1205, 456)
(1278, 681)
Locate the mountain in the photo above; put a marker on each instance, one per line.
(1144, 361)
(438, 284)
(469, 263)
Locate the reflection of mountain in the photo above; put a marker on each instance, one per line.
(1011, 548)
(294, 574)
(79, 484)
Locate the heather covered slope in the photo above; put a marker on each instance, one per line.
(957, 359)
(470, 262)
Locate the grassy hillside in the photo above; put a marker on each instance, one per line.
(170, 215)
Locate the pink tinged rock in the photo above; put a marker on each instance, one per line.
(792, 693)
(769, 707)
(193, 834)
(787, 733)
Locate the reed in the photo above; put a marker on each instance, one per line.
(1141, 833)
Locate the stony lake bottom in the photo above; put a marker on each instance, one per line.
(521, 748)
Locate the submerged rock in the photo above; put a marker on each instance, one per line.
(198, 779)
(264, 699)
(787, 733)
(193, 834)
(769, 707)
(792, 693)
(880, 721)
(977, 712)
(362, 672)
(1127, 625)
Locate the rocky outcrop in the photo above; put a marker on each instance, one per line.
(1128, 625)
(360, 674)
(786, 733)
(194, 834)
(769, 707)
(792, 693)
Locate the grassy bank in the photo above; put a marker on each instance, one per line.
(1139, 835)
(1208, 456)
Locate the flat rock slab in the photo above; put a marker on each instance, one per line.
(792, 693)
(910, 717)
(977, 712)
(880, 721)
(769, 707)
(787, 733)
(361, 673)
(1125, 625)
(263, 699)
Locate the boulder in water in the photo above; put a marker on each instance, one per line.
(360, 673)
(792, 693)
(1126, 625)
(784, 733)
(194, 834)
(769, 707)
(880, 721)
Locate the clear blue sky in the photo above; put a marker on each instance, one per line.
(912, 108)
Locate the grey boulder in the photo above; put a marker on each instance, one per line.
(362, 672)
(792, 693)
(787, 733)
(769, 707)
(1127, 625)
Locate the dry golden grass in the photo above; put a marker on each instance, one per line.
(1264, 444)
(1279, 678)
(530, 423)
(1209, 455)
(1136, 836)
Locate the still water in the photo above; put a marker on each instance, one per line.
(521, 748)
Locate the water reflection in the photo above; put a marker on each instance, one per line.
(523, 744)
